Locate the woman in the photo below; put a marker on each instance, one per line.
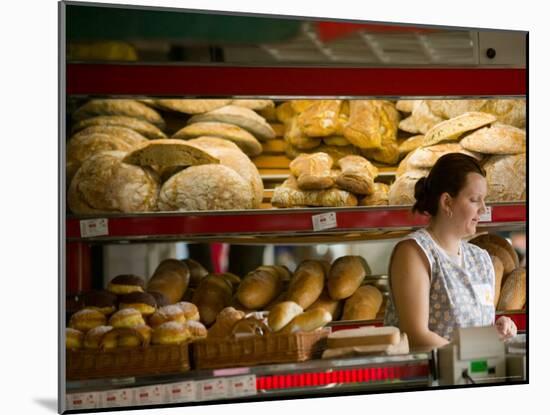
(438, 281)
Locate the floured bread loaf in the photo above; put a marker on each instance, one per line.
(312, 171)
(378, 198)
(124, 107)
(320, 119)
(421, 119)
(514, 291)
(205, 187)
(105, 184)
(506, 178)
(450, 108)
(289, 195)
(425, 157)
(192, 106)
(143, 127)
(254, 104)
(357, 175)
(168, 153)
(242, 138)
(496, 139)
(231, 156)
(402, 190)
(243, 117)
(452, 129)
(410, 144)
(296, 137)
(508, 111)
(406, 105)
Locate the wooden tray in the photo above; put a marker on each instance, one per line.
(256, 350)
(127, 361)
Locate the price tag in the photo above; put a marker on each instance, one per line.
(116, 398)
(211, 389)
(324, 221)
(87, 400)
(149, 395)
(94, 227)
(242, 386)
(181, 392)
(487, 216)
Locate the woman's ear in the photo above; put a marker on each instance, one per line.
(445, 203)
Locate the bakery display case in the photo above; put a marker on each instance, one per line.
(187, 188)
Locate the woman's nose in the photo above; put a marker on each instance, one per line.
(483, 208)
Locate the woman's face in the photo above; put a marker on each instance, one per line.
(469, 204)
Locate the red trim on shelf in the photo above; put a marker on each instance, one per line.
(272, 222)
(176, 80)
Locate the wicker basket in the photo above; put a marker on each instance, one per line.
(127, 361)
(256, 350)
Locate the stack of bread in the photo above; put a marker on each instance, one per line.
(314, 182)
(510, 278)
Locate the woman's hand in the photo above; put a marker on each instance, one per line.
(506, 327)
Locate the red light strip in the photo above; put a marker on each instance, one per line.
(344, 376)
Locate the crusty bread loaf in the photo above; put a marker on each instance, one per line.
(308, 321)
(320, 119)
(499, 273)
(284, 112)
(206, 187)
(307, 283)
(282, 314)
(364, 336)
(334, 307)
(363, 304)
(168, 153)
(346, 275)
(289, 195)
(336, 140)
(357, 175)
(232, 156)
(192, 106)
(496, 139)
(225, 320)
(497, 240)
(508, 111)
(171, 278)
(130, 136)
(402, 190)
(452, 129)
(105, 184)
(123, 107)
(500, 252)
(243, 117)
(143, 127)
(258, 288)
(282, 271)
(410, 144)
(336, 152)
(211, 296)
(514, 291)
(451, 108)
(371, 122)
(242, 138)
(425, 157)
(295, 137)
(196, 270)
(379, 196)
(387, 154)
(406, 105)
(421, 119)
(312, 171)
(506, 178)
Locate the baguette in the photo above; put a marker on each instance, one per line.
(308, 321)
(171, 279)
(346, 275)
(282, 314)
(211, 296)
(259, 288)
(363, 304)
(334, 307)
(307, 283)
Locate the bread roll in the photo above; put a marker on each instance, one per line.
(499, 273)
(378, 198)
(452, 129)
(127, 317)
(73, 338)
(211, 296)
(171, 278)
(123, 107)
(259, 288)
(145, 303)
(514, 291)
(363, 304)
(334, 307)
(357, 175)
(92, 339)
(282, 314)
(143, 127)
(171, 332)
(307, 283)
(346, 275)
(308, 321)
(166, 313)
(312, 171)
(225, 320)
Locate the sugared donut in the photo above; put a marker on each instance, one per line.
(171, 332)
(73, 338)
(125, 337)
(171, 312)
(93, 337)
(127, 317)
(86, 319)
(196, 329)
(143, 302)
(190, 310)
(126, 284)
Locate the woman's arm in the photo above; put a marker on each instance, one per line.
(410, 284)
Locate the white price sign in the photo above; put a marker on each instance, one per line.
(211, 389)
(181, 392)
(487, 216)
(242, 386)
(87, 400)
(94, 227)
(324, 221)
(116, 398)
(149, 395)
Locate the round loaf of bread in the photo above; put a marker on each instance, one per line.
(497, 240)
(73, 338)
(143, 127)
(103, 184)
(102, 301)
(514, 290)
(126, 284)
(123, 107)
(93, 338)
(126, 337)
(143, 302)
(86, 319)
(127, 317)
(171, 332)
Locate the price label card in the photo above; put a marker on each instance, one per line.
(324, 221)
(242, 386)
(87, 400)
(149, 395)
(181, 392)
(116, 398)
(212, 389)
(487, 216)
(94, 227)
